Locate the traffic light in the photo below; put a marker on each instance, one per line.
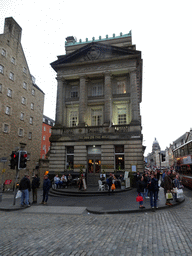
(14, 159)
(22, 160)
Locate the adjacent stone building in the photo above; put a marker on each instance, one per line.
(98, 122)
(21, 101)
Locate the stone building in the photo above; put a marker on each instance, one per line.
(21, 101)
(98, 122)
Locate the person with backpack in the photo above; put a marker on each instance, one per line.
(35, 186)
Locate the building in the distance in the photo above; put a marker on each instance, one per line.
(21, 101)
(98, 122)
(47, 124)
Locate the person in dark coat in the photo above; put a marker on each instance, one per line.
(153, 190)
(35, 186)
(168, 186)
(25, 188)
(140, 189)
(46, 187)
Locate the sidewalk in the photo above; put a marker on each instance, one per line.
(116, 203)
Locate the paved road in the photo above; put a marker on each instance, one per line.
(166, 232)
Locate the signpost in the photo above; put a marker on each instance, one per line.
(3, 160)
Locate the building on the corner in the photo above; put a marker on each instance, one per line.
(21, 102)
(47, 124)
(98, 122)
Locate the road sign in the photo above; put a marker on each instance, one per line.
(3, 159)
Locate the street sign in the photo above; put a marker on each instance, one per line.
(3, 160)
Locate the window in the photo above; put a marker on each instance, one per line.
(73, 118)
(1, 69)
(121, 116)
(9, 92)
(44, 137)
(97, 90)
(50, 130)
(74, 92)
(6, 128)
(23, 100)
(21, 132)
(44, 128)
(22, 116)
(49, 122)
(121, 87)
(32, 106)
(8, 110)
(30, 135)
(25, 70)
(13, 60)
(70, 158)
(43, 119)
(96, 117)
(1, 88)
(3, 52)
(119, 157)
(25, 85)
(31, 120)
(33, 92)
(11, 76)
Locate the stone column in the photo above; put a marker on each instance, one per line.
(82, 101)
(63, 104)
(59, 104)
(134, 97)
(108, 99)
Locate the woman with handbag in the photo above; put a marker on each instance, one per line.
(140, 189)
(168, 186)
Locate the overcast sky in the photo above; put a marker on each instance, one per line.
(160, 29)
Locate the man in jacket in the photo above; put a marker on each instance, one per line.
(35, 186)
(153, 189)
(25, 188)
(46, 187)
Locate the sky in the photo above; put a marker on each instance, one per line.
(161, 30)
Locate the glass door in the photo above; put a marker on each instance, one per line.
(94, 164)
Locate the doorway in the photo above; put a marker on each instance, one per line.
(94, 164)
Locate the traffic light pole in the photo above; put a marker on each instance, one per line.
(17, 174)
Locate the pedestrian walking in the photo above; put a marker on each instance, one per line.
(25, 188)
(35, 186)
(153, 190)
(46, 187)
(168, 186)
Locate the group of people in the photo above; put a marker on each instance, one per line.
(25, 187)
(148, 185)
(112, 182)
(63, 181)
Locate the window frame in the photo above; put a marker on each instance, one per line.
(1, 69)
(11, 76)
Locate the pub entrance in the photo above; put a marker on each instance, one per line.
(94, 165)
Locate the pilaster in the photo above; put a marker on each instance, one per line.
(82, 100)
(59, 104)
(108, 99)
(134, 97)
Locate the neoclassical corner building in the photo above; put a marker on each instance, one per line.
(98, 122)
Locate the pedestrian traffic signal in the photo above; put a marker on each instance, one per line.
(22, 159)
(14, 159)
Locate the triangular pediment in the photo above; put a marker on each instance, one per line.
(92, 52)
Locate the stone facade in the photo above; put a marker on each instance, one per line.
(21, 101)
(98, 122)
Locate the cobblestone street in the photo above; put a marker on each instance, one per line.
(165, 232)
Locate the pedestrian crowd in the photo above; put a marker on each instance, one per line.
(25, 187)
(150, 181)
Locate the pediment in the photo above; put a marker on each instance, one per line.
(92, 52)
